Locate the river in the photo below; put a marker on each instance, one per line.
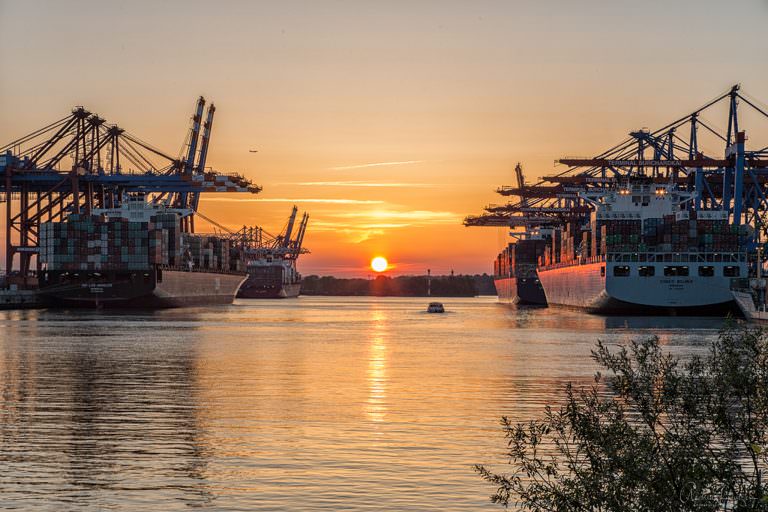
(317, 403)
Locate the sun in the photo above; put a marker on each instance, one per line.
(379, 264)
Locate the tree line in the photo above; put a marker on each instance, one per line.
(400, 286)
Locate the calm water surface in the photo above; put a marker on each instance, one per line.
(307, 404)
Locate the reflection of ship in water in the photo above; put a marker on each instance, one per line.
(271, 260)
(686, 323)
(574, 320)
(89, 423)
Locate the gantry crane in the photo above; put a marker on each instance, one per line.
(734, 182)
(80, 163)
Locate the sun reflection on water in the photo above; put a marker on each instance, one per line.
(376, 406)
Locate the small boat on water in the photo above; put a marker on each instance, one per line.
(435, 307)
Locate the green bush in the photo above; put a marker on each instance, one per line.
(656, 434)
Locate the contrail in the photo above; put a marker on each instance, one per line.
(285, 200)
(377, 164)
(418, 215)
(357, 184)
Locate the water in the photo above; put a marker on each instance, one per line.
(308, 404)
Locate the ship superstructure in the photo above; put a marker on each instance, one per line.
(651, 225)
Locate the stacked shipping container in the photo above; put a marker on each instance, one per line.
(167, 247)
(90, 242)
(85, 242)
(206, 251)
(683, 232)
(519, 259)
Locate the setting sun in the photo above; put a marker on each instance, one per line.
(379, 264)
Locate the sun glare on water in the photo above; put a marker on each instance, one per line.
(379, 264)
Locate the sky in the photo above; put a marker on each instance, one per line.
(387, 121)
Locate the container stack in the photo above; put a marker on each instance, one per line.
(683, 232)
(622, 235)
(552, 248)
(207, 252)
(520, 259)
(236, 263)
(503, 264)
(586, 244)
(88, 242)
(571, 241)
(169, 225)
(220, 248)
(595, 243)
(597, 236)
(526, 256)
(158, 253)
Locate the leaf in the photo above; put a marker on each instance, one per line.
(757, 449)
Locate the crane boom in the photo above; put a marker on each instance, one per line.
(205, 140)
(289, 227)
(521, 182)
(195, 134)
(300, 235)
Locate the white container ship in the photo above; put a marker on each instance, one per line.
(645, 251)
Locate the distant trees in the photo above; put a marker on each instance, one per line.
(401, 286)
(657, 434)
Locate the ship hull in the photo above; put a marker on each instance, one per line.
(144, 289)
(587, 287)
(275, 291)
(520, 291)
(21, 299)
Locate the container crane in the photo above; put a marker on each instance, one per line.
(734, 181)
(521, 183)
(80, 162)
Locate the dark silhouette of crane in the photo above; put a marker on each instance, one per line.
(521, 182)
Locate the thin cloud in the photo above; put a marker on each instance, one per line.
(333, 226)
(286, 200)
(375, 164)
(354, 235)
(357, 184)
(420, 216)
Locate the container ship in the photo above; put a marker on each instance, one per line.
(271, 278)
(651, 225)
(270, 261)
(134, 256)
(515, 272)
(644, 250)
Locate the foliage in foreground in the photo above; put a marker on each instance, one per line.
(657, 433)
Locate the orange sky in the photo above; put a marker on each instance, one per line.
(387, 122)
